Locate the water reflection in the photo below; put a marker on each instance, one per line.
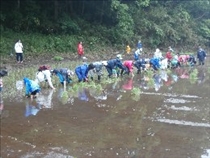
(32, 108)
(128, 84)
(206, 154)
(1, 104)
(201, 76)
(43, 101)
(98, 95)
(82, 94)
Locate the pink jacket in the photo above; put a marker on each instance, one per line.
(129, 65)
(183, 58)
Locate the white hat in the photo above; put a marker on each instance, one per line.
(70, 73)
(119, 56)
(84, 58)
(104, 63)
(157, 50)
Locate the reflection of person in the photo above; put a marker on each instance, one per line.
(98, 95)
(1, 104)
(128, 84)
(201, 55)
(157, 81)
(45, 99)
(19, 51)
(82, 94)
(31, 88)
(80, 49)
(64, 75)
(113, 63)
(201, 76)
(1, 84)
(31, 108)
(182, 73)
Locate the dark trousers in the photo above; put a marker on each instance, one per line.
(19, 56)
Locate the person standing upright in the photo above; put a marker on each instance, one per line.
(139, 46)
(201, 55)
(80, 49)
(128, 49)
(19, 51)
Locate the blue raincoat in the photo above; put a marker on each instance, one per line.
(112, 64)
(155, 63)
(82, 72)
(31, 86)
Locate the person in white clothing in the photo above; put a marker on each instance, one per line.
(44, 75)
(19, 51)
(158, 54)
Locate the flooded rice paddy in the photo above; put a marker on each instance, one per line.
(167, 116)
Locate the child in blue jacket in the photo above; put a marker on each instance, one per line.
(31, 88)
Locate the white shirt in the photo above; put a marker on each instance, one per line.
(18, 47)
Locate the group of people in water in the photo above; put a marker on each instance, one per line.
(115, 68)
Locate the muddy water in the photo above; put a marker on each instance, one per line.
(170, 118)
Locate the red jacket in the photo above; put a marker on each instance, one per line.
(169, 55)
(80, 49)
(129, 65)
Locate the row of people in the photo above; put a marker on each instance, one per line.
(126, 67)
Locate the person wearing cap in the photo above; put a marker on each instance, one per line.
(82, 71)
(113, 63)
(201, 55)
(64, 75)
(31, 88)
(98, 65)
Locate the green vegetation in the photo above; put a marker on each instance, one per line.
(56, 26)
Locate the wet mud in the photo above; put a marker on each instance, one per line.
(169, 118)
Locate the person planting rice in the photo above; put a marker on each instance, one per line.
(111, 64)
(64, 74)
(82, 72)
(44, 74)
(32, 88)
(98, 65)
